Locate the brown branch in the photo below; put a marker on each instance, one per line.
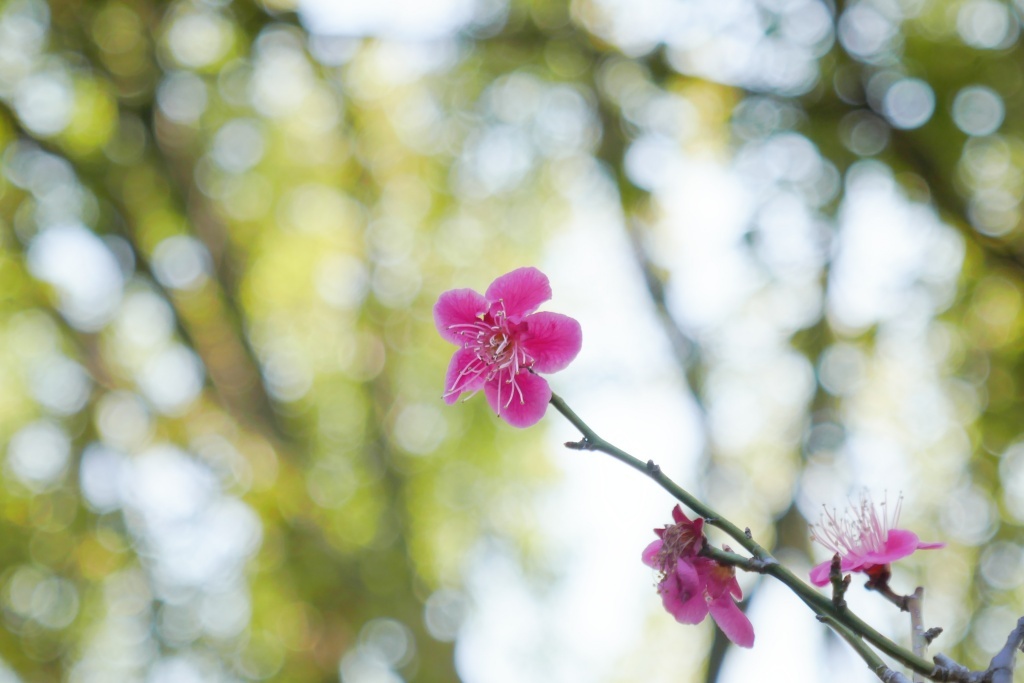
(882, 587)
(685, 350)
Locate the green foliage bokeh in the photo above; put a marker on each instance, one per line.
(274, 213)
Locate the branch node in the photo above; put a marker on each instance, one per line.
(931, 634)
(947, 669)
(762, 565)
(653, 468)
(583, 444)
(839, 582)
(887, 675)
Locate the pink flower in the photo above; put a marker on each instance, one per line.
(693, 586)
(504, 343)
(866, 539)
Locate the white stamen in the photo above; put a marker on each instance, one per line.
(861, 530)
(498, 356)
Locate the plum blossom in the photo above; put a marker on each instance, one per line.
(866, 539)
(693, 586)
(503, 344)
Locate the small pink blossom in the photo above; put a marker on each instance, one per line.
(504, 343)
(866, 539)
(693, 586)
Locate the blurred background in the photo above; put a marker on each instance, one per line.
(791, 230)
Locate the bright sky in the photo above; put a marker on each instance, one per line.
(396, 19)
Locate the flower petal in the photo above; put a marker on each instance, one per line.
(465, 373)
(732, 621)
(678, 516)
(457, 307)
(717, 579)
(683, 595)
(820, 573)
(552, 339)
(522, 291)
(734, 588)
(898, 544)
(856, 563)
(521, 402)
(697, 527)
(650, 554)
(929, 546)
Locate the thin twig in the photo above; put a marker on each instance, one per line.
(917, 640)
(851, 627)
(874, 662)
(947, 669)
(1001, 667)
(882, 588)
(839, 583)
(812, 598)
(747, 564)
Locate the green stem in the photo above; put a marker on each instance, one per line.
(873, 661)
(762, 559)
(747, 564)
(593, 442)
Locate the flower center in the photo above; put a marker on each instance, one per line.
(499, 355)
(679, 540)
(863, 529)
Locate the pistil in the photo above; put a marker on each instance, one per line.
(497, 352)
